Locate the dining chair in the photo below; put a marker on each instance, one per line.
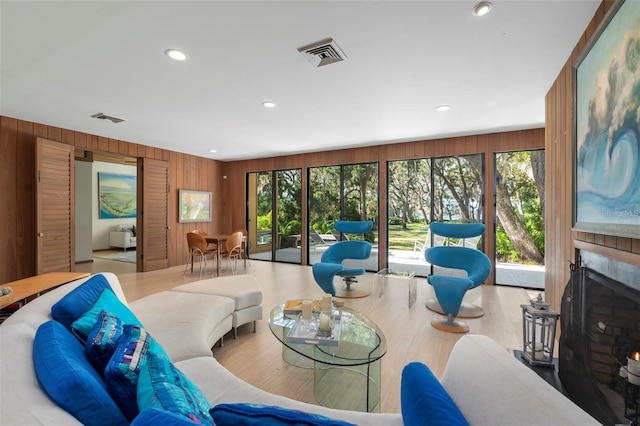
(211, 246)
(198, 247)
(233, 250)
(244, 249)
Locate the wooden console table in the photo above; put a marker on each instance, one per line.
(30, 288)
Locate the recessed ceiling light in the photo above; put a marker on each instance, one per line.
(482, 8)
(213, 151)
(269, 104)
(442, 108)
(176, 54)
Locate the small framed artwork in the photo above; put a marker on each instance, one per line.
(194, 206)
(116, 196)
(607, 126)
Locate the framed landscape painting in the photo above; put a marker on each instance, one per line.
(194, 206)
(607, 125)
(116, 196)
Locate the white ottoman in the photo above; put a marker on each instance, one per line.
(243, 289)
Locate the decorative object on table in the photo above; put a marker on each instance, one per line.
(606, 135)
(194, 206)
(538, 332)
(330, 264)
(325, 330)
(294, 306)
(450, 290)
(116, 195)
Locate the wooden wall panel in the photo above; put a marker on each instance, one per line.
(560, 240)
(17, 180)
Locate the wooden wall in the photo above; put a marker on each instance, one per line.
(488, 144)
(561, 242)
(17, 189)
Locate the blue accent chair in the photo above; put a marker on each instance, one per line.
(450, 290)
(330, 264)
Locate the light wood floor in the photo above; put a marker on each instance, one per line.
(256, 358)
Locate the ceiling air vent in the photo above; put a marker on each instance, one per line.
(322, 53)
(101, 116)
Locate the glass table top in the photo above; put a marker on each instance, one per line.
(361, 341)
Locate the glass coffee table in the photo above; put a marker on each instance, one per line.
(346, 375)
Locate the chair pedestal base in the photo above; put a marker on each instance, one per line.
(467, 310)
(348, 292)
(449, 325)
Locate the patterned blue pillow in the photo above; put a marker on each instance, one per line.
(69, 379)
(161, 385)
(122, 371)
(261, 415)
(79, 300)
(155, 417)
(102, 340)
(109, 302)
(423, 400)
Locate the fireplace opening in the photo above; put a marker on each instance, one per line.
(600, 330)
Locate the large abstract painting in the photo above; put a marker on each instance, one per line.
(116, 195)
(607, 117)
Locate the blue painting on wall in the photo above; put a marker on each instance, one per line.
(116, 195)
(607, 116)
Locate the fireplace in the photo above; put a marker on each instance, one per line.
(600, 328)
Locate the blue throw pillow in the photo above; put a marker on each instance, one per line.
(161, 385)
(424, 401)
(79, 300)
(260, 415)
(69, 379)
(106, 301)
(155, 417)
(102, 340)
(122, 371)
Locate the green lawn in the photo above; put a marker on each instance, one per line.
(403, 239)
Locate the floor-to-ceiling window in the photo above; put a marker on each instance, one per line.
(274, 207)
(420, 191)
(348, 192)
(519, 251)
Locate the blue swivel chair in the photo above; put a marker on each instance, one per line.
(330, 264)
(450, 290)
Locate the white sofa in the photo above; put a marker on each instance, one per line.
(485, 381)
(122, 237)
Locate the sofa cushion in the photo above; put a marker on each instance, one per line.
(69, 379)
(424, 401)
(155, 416)
(259, 415)
(102, 340)
(109, 302)
(79, 300)
(122, 371)
(161, 385)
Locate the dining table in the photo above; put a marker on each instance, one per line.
(219, 240)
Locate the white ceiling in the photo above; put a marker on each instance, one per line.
(61, 62)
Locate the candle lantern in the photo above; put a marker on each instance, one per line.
(538, 332)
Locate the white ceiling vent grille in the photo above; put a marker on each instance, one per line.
(322, 53)
(101, 116)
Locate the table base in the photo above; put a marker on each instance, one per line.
(354, 388)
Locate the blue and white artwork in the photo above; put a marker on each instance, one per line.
(608, 124)
(117, 195)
